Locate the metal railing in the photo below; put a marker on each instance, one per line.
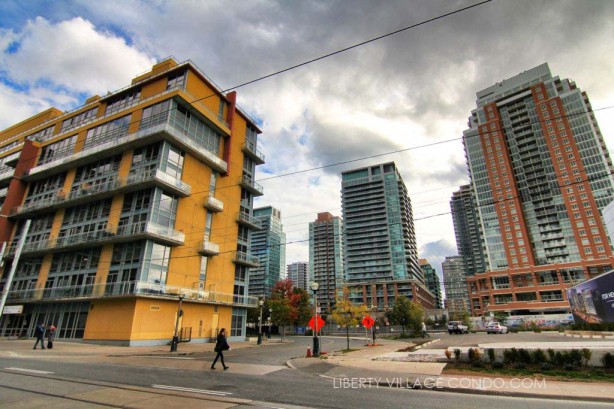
(78, 240)
(130, 288)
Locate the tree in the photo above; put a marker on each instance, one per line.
(347, 314)
(501, 316)
(281, 305)
(300, 303)
(406, 314)
(290, 305)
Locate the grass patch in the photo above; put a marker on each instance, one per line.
(582, 374)
(345, 351)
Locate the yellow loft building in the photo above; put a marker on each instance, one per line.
(128, 220)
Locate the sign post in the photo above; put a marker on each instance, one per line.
(368, 322)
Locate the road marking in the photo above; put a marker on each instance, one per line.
(28, 370)
(163, 357)
(203, 391)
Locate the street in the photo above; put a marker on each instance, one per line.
(255, 374)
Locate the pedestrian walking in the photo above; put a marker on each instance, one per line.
(221, 345)
(50, 336)
(39, 333)
(424, 333)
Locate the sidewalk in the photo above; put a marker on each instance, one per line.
(382, 366)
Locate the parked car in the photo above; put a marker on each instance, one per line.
(457, 327)
(496, 328)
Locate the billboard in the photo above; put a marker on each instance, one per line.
(592, 302)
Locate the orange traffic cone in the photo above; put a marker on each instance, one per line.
(308, 352)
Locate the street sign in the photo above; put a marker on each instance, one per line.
(320, 322)
(13, 309)
(368, 322)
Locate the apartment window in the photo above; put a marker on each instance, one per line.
(600, 249)
(176, 80)
(582, 233)
(78, 119)
(588, 250)
(123, 100)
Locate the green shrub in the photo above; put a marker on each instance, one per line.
(497, 365)
(559, 359)
(457, 353)
(575, 357)
(477, 364)
(608, 360)
(570, 367)
(551, 355)
(491, 354)
(510, 355)
(538, 356)
(524, 356)
(587, 355)
(520, 365)
(471, 354)
(546, 366)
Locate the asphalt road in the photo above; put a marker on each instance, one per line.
(258, 374)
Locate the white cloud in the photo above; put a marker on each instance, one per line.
(70, 55)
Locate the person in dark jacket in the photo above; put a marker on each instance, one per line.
(39, 333)
(221, 345)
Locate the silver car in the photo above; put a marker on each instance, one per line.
(496, 328)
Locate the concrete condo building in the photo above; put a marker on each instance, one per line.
(134, 201)
(540, 175)
(269, 247)
(467, 230)
(432, 282)
(381, 257)
(455, 283)
(326, 258)
(298, 273)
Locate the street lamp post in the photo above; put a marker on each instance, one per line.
(316, 341)
(270, 324)
(260, 323)
(175, 340)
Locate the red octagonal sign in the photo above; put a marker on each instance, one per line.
(320, 323)
(368, 322)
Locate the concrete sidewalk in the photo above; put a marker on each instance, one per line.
(105, 394)
(383, 366)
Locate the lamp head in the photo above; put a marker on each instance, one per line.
(314, 286)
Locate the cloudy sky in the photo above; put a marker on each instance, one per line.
(404, 98)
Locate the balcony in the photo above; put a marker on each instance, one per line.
(207, 248)
(245, 259)
(131, 232)
(110, 186)
(3, 192)
(250, 149)
(248, 184)
(249, 221)
(152, 130)
(129, 289)
(214, 205)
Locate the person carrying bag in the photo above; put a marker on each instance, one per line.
(221, 345)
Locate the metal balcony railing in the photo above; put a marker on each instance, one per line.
(249, 147)
(129, 288)
(110, 185)
(246, 259)
(150, 229)
(248, 184)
